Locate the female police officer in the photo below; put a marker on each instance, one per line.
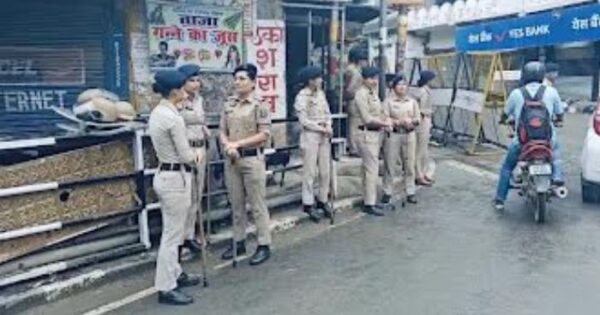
(198, 135)
(424, 129)
(244, 129)
(314, 115)
(373, 121)
(172, 183)
(401, 142)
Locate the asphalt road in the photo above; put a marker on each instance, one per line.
(450, 254)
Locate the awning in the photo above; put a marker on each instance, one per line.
(354, 12)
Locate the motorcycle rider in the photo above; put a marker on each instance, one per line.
(533, 75)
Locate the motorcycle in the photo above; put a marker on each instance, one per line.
(533, 177)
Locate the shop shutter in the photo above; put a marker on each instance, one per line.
(50, 50)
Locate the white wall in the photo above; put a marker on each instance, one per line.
(442, 38)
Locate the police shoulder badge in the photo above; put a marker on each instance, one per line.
(263, 111)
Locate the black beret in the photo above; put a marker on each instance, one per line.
(356, 54)
(190, 70)
(168, 80)
(397, 79)
(248, 68)
(370, 72)
(309, 73)
(389, 77)
(425, 77)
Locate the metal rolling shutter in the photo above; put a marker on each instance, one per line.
(49, 52)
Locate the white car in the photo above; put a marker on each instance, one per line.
(590, 161)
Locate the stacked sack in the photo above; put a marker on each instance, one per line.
(103, 106)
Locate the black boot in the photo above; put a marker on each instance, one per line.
(386, 199)
(312, 214)
(241, 250)
(179, 253)
(263, 252)
(194, 246)
(411, 199)
(327, 211)
(174, 297)
(372, 210)
(186, 280)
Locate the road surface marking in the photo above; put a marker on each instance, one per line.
(150, 291)
(120, 303)
(472, 169)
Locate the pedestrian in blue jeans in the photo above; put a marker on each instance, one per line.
(533, 75)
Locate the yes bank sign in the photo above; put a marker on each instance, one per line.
(549, 28)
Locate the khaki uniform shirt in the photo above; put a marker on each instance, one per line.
(243, 118)
(194, 118)
(312, 110)
(423, 96)
(167, 132)
(401, 108)
(354, 81)
(368, 106)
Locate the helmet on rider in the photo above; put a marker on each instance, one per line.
(533, 71)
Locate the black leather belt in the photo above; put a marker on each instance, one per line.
(402, 131)
(363, 128)
(249, 152)
(175, 167)
(197, 143)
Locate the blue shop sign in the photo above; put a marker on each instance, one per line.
(549, 28)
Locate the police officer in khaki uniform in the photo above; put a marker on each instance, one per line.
(198, 135)
(358, 59)
(401, 142)
(172, 184)
(244, 130)
(373, 122)
(313, 112)
(424, 130)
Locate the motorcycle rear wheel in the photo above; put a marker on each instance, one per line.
(540, 208)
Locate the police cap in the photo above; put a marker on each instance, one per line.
(357, 54)
(397, 79)
(249, 68)
(370, 72)
(425, 77)
(190, 70)
(309, 73)
(168, 80)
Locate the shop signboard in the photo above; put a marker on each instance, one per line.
(35, 79)
(548, 28)
(267, 52)
(185, 32)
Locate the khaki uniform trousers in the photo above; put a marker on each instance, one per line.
(399, 147)
(246, 178)
(195, 213)
(369, 145)
(316, 156)
(423, 136)
(353, 131)
(174, 190)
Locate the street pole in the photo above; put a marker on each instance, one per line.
(333, 39)
(382, 42)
